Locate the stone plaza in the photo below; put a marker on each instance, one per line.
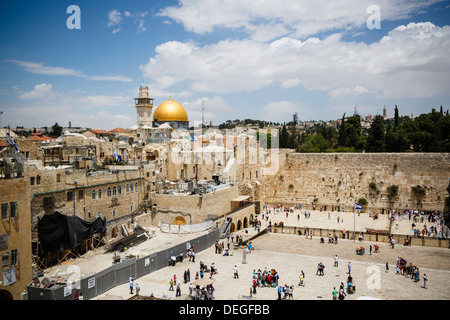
(289, 254)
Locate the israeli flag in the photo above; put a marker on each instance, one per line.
(11, 142)
(358, 206)
(116, 157)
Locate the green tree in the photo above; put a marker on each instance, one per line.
(284, 137)
(56, 130)
(396, 118)
(376, 138)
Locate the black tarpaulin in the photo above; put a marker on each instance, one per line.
(58, 232)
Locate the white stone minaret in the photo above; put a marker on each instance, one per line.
(144, 106)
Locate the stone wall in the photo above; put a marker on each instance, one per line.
(340, 179)
(193, 208)
(17, 233)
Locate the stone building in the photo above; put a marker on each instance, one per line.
(15, 236)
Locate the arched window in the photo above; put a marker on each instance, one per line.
(115, 212)
(109, 192)
(99, 193)
(128, 188)
(131, 187)
(119, 190)
(93, 194)
(136, 186)
(114, 191)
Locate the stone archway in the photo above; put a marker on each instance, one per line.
(6, 295)
(245, 222)
(114, 232)
(179, 221)
(239, 225)
(232, 228)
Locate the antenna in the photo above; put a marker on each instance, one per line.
(203, 114)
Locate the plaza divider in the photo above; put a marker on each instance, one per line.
(119, 273)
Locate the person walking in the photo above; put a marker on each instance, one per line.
(349, 268)
(336, 262)
(178, 294)
(131, 285)
(235, 271)
(370, 249)
(171, 284)
(425, 280)
(334, 293)
(138, 288)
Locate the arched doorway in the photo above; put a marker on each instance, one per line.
(6, 295)
(239, 225)
(232, 228)
(114, 232)
(245, 222)
(179, 221)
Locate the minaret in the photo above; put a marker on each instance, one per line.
(144, 106)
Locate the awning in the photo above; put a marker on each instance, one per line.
(241, 198)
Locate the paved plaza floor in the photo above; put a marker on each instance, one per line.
(291, 254)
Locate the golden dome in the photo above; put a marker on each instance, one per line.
(170, 110)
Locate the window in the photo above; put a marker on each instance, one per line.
(14, 257)
(69, 196)
(93, 194)
(128, 188)
(153, 173)
(32, 181)
(119, 190)
(99, 193)
(115, 212)
(148, 174)
(4, 211)
(5, 259)
(38, 180)
(58, 177)
(13, 208)
(109, 192)
(131, 187)
(114, 191)
(136, 186)
(80, 194)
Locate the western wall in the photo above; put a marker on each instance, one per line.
(339, 179)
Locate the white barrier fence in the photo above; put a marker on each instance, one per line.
(186, 228)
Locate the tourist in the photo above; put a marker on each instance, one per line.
(302, 279)
(178, 294)
(334, 293)
(370, 249)
(138, 288)
(235, 271)
(131, 285)
(171, 284)
(387, 267)
(349, 268)
(392, 242)
(336, 264)
(425, 280)
(190, 289)
(342, 294)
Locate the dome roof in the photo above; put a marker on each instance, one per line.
(170, 110)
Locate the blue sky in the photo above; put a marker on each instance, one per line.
(258, 59)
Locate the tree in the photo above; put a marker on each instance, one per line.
(284, 137)
(392, 192)
(56, 130)
(396, 118)
(376, 138)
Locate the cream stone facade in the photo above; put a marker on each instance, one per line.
(15, 237)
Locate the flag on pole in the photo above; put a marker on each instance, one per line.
(11, 142)
(116, 157)
(358, 206)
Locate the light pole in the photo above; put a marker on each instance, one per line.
(1, 112)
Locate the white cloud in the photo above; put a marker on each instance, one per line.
(41, 91)
(301, 18)
(411, 61)
(214, 109)
(45, 106)
(114, 18)
(281, 111)
(41, 68)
